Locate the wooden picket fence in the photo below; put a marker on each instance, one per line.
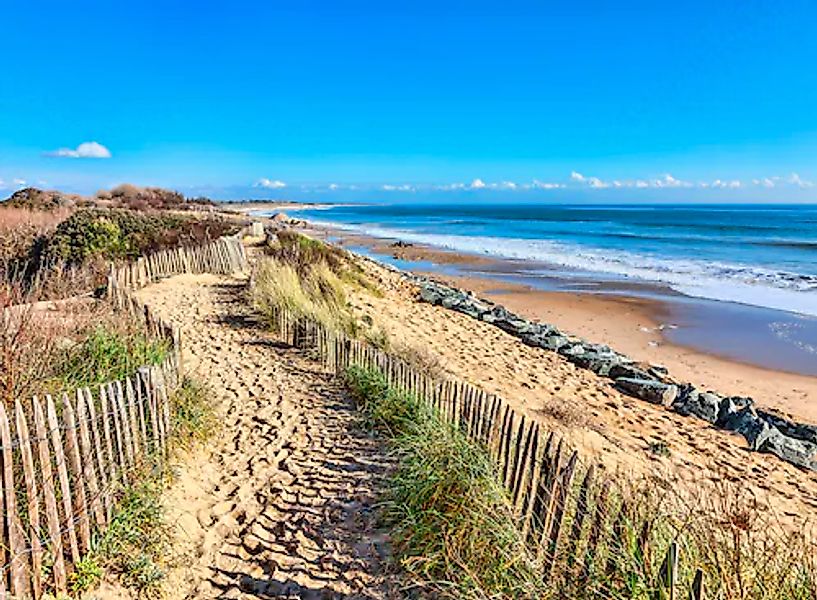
(569, 512)
(65, 460)
(223, 256)
(64, 463)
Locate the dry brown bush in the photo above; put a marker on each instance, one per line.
(19, 227)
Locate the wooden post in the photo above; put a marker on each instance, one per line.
(50, 499)
(697, 592)
(101, 463)
(14, 529)
(88, 470)
(32, 495)
(80, 499)
(668, 576)
(62, 472)
(578, 519)
(560, 500)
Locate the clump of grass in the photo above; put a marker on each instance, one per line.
(453, 525)
(136, 545)
(194, 418)
(317, 294)
(108, 353)
(303, 253)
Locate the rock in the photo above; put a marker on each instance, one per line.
(472, 307)
(693, 402)
(648, 389)
(554, 342)
(572, 350)
(629, 371)
(598, 362)
(798, 431)
(797, 452)
(431, 295)
(452, 301)
(731, 405)
(744, 421)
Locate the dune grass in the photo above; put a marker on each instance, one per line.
(137, 545)
(453, 526)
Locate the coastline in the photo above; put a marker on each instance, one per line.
(631, 324)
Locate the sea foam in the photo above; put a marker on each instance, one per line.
(730, 282)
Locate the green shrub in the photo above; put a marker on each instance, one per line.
(120, 233)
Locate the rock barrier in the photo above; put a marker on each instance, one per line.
(764, 431)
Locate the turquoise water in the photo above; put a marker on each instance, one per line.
(759, 255)
(745, 273)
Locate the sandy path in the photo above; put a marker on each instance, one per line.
(282, 506)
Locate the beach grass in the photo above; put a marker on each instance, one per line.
(452, 522)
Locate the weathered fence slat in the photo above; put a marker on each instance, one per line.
(32, 495)
(88, 470)
(18, 582)
(80, 497)
(62, 472)
(49, 499)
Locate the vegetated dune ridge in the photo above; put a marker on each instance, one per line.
(627, 435)
(281, 504)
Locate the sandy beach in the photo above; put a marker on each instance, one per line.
(630, 324)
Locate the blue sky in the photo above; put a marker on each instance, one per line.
(622, 101)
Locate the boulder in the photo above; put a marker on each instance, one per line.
(648, 389)
(798, 431)
(452, 300)
(746, 422)
(693, 402)
(431, 295)
(598, 362)
(473, 308)
(572, 350)
(554, 342)
(629, 371)
(731, 405)
(797, 452)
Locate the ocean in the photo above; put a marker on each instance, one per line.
(755, 262)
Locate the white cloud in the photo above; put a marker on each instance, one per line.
(477, 184)
(795, 179)
(545, 185)
(767, 182)
(503, 185)
(334, 186)
(640, 184)
(724, 184)
(593, 182)
(668, 181)
(270, 184)
(397, 188)
(18, 182)
(84, 150)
